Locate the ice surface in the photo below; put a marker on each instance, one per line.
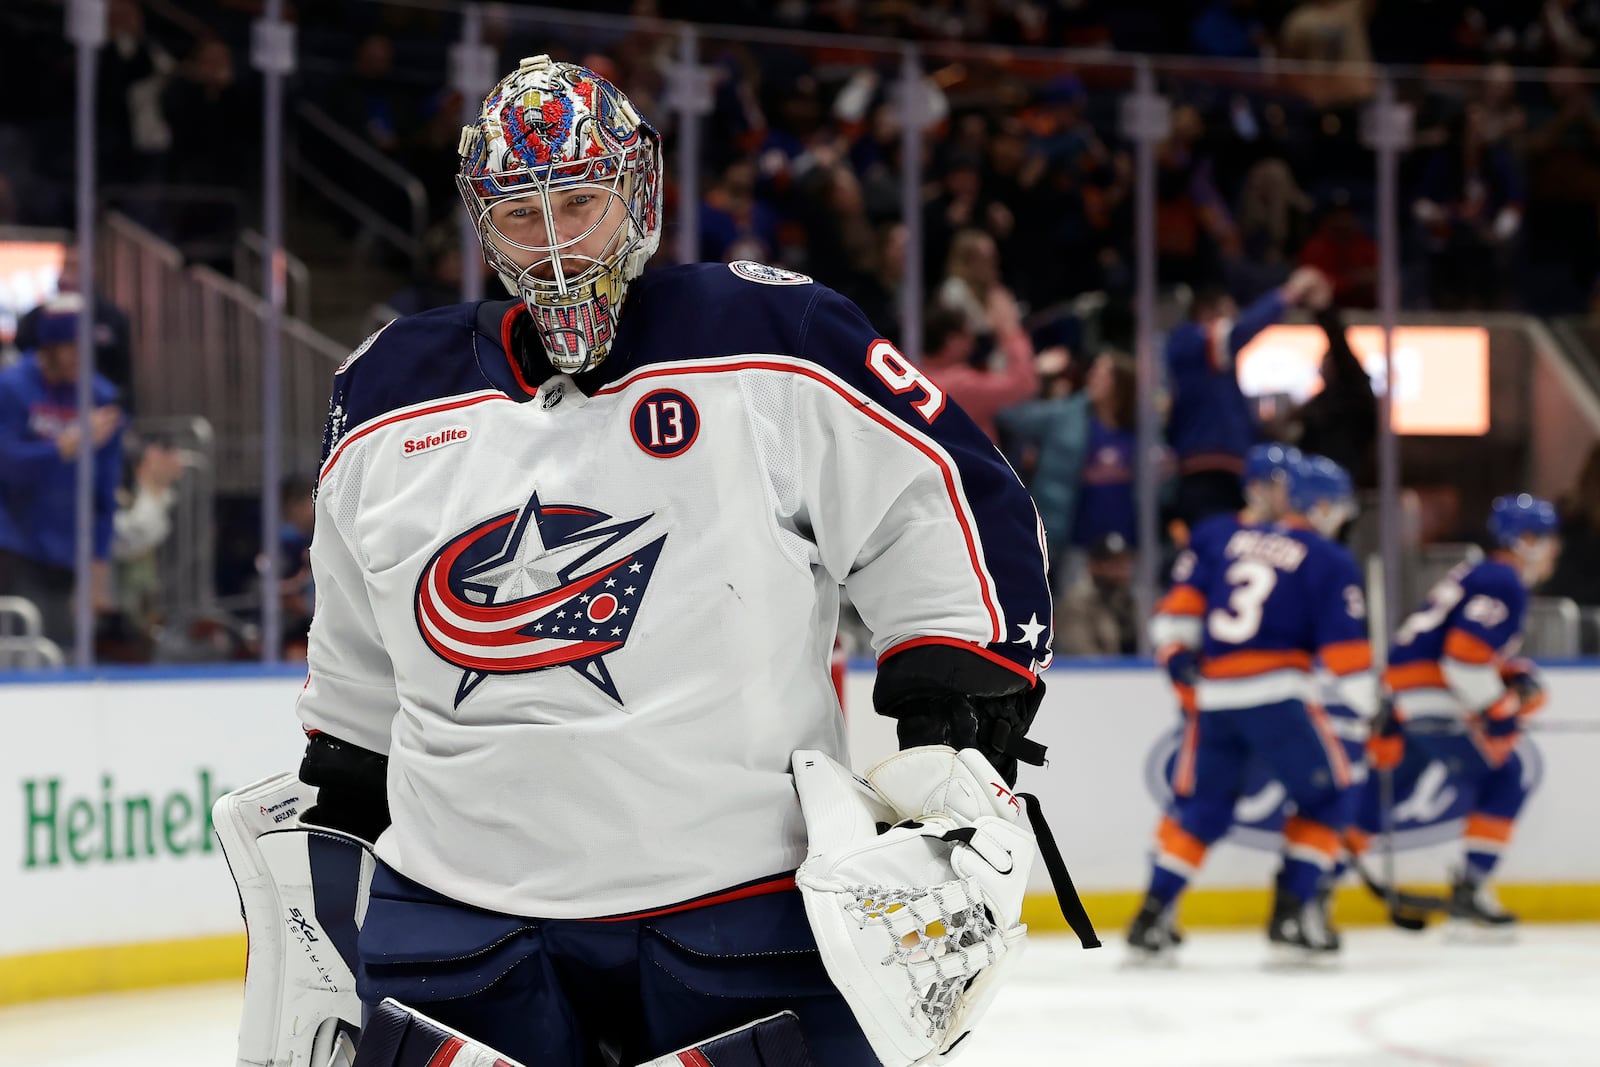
(1396, 1000)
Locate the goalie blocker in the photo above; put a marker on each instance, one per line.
(302, 893)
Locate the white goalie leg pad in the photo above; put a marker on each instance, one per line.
(916, 922)
(303, 892)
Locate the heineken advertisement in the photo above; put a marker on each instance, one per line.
(106, 791)
(63, 826)
(105, 814)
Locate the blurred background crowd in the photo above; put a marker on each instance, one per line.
(1024, 200)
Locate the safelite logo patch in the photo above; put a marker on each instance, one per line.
(450, 435)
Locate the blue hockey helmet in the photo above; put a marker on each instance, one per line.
(1516, 514)
(1315, 479)
(1265, 462)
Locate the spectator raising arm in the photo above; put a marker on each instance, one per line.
(982, 393)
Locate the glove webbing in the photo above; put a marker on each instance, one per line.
(1066, 893)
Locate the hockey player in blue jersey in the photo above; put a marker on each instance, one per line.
(1262, 608)
(1266, 473)
(1332, 496)
(578, 560)
(1461, 694)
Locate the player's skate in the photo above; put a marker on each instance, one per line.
(1153, 937)
(1299, 931)
(1476, 914)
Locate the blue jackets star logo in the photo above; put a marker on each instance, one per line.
(535, 589)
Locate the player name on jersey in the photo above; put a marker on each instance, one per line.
(1284, 553)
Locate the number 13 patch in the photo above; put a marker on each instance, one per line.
(665, 423)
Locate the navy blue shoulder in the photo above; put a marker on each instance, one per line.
(1339, 557)
(1212, 529)
(414, 359)
(710, 310)
(1495, 577)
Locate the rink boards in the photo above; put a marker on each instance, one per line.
(110, 877)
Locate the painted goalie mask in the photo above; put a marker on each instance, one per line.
(562, 178)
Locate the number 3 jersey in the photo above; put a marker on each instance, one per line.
(1447, 655)
(588, 620)
(1264, 605)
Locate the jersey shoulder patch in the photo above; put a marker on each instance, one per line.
(414, 359)
(751, 271)
(362, 347)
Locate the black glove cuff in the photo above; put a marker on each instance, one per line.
(352, 786)
(944, 695)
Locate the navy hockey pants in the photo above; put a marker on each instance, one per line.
(556, 992)
(1292, 739)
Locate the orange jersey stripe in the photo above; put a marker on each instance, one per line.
(1253, 661)
(1467, 648)
(1324, 839)
(1183, 773)
(1357, 840)
(1487, 828)
(1496, 750)
(1330, 744)
(1424, 674)
(1179, 843)
(1182, 600)
(1347, 657)
(1507, 707)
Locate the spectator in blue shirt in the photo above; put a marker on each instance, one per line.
(1210, 425)
(297, 590)
(1106, 502)
(39, 444)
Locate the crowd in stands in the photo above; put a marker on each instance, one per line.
(1265, 193)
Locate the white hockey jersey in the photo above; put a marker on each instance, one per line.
(588, 621)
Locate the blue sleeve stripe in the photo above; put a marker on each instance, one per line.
(858, 400)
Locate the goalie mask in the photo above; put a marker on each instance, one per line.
(562, 178)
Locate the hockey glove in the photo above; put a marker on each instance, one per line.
(1522, 678)
(913, 884)
(1497, 728)
(352, 786)
(942, 695)
(1501, 727)
(1183, 667)
(1386, 743)
(1502, 718)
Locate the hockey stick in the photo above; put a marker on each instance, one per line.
(1378, 635)
(1407, 910)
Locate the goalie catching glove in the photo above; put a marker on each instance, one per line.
(913, 884)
